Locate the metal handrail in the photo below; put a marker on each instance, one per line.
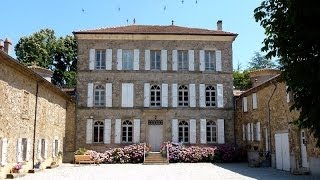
(167, 147)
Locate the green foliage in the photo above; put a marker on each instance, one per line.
(293, 35)
(259, 61)
(80, 151)
(44, 49)
(241, 79)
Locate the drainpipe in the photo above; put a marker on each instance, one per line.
(269, 118)
(35, 125)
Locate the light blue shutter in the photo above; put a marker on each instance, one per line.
(203, 131)
(193, 131)
(174, 95)
(146, 94)
(218, 61)
(164, 60)
(90, 95)
(19, 150)
(117, 135)
(136, 129)
(174, 60)
(107, 131)
(254, 101)
(124, 95)
(108, 59)
(108, 94)
(174, 130)
(220, 123)
(136, 59)
(202, 62)
(164, 95)
(220, 95)
(245, 104)
(202, 95)
(4, 148)
(92, 57)
(147, 59)
(191, 60)
(119, 59)
(89, 131)
(28, 149)
(192, 95)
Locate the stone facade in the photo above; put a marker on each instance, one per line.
(143, 42)
(33, 114)
(280, 117)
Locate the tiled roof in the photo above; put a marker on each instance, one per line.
(155, 29)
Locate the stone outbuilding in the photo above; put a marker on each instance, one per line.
(33, 116)
(263, 124)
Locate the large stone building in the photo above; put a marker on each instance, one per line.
(145, 83)
(263, 123)
(33, 115)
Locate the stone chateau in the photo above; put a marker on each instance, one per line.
(145, 83)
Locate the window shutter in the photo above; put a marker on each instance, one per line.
(203, 131)
(117, 134)
(174, 60)
(136, 58)
(248, 132)
(202, 95)
(90, 95)
(58, 145)
(202, 62)
(174, 95)
(28, 149)
(19, 150)
(220, 123)
(4, 149)
(164, 94)
(191, 60)
(124, 95)
(254, 101)
(147, 59)
(130, 95)
(53, 148)
(266, 139)
(243, 132)
(245, 104)
(174, 130)
(136, 129)
(89, 131)
(220, 95)
(45, 148)
(108, 94)
(252, 132)
(107, 131)
(218, 61)
(119, 59)
(258, 131)
(92, 57)
(39, 149)
(108, 59)
(193, 131)
(192, 95)
(288, 94)
(164, 57)
(146, 94)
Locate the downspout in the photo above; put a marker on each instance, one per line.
(35, 125)
(269, 117)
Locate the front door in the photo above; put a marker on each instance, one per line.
(303, 142)
(155, 134)
(282, 151)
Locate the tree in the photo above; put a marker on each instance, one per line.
(44, 49)
(241, 79)
(293, 35)
(259, 61)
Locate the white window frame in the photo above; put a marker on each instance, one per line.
(100, 59)
(212, 132)
(56, 147)
(209, 60)
(183, 129)
(98, 126)
(43, 149)
(127, 59)
(155, 96)
(183, 60)
(155, 60)
(100, 93)
(211, 90)
(125, 125)
(182, 89)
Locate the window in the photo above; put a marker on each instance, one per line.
(127, 59)
(100, 59)
(56, 147)
(98, 132)
(127, 130)
(183, 96)
(155, 98)
(43, 148)
(209, 60)
(183, 131)
(99, 95)
(211, 132)
(210, 96)
(155, 60)
(183, 61)
(24, 144)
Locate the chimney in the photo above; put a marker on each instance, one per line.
(7, 45)
(219, 25)
(1, 45)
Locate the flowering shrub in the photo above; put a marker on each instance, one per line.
(128, 154)
(16, 167)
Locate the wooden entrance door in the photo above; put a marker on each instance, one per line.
(282, 151)
(155, 134)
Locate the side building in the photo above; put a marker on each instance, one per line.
(263, 124)
(151, 83)
(33, 115)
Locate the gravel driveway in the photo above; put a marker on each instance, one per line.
(178, 171)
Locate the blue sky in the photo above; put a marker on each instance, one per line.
(22, 18)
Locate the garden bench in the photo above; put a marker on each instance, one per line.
(83, 159)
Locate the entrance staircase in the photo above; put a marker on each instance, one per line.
(155, 158)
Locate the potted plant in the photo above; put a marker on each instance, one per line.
(16, 168)
(80, 154)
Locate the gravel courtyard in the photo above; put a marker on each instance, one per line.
(185, 171)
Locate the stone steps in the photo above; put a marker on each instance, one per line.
(155, 158)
